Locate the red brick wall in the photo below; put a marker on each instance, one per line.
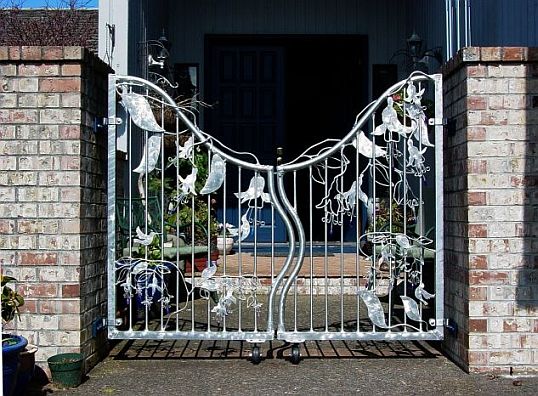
(491, 216)
(53, 194)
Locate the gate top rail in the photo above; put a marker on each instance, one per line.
(202, 136)
(295, 164)
(362, 118)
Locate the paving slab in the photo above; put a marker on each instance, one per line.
(336, 368)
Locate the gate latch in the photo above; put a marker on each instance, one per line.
(436, 121)
(100, 123)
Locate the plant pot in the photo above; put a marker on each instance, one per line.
(225, 245)
(200, 263)
(66, 369)
(12, 345)
(26, 368)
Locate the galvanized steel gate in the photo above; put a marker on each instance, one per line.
(387, 172)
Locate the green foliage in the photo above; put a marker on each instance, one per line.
(154, 249)
(427, 105)
(201, 216)
(200, 160)
(383, 213)
(11, 300)
(184, 214)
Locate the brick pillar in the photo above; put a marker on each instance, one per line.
(53, 194)
(491, 216)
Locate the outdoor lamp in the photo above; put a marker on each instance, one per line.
(414, 45)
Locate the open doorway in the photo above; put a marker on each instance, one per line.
(287, 91)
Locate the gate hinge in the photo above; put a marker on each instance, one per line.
(100, 123)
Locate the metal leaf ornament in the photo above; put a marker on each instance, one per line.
(421, 132)
(411, 308)
(375, 309)
(366, 147)
(245, 228)
(152, 151)
(140, 110)
(216, 175)
(210, 270)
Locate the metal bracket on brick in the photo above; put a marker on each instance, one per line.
(100, 123)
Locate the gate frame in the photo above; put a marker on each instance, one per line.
(284, 208)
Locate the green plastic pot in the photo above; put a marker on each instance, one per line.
(66, 369)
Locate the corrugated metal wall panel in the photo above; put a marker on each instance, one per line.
(146, 21)
(504, 22)
(188, 22)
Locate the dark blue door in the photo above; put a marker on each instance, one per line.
(246, 85)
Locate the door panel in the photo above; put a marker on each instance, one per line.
(248, 90)
(288, 91)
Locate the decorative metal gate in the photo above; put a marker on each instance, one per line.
(380, 186)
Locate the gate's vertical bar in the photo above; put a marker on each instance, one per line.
(193, 265)
(225, 220)
(163, 233)
(295, 280)
(391, 148)
(325, 257)
(358, 232)
(111, 204)
(178, 275)
(439, 199)
(240, 257)
(130, 210)
(374, 213)
(421, 210)
(310, 237)
(341, 220)
(404, 170)
(146, 218)
(272, 239)
(255, 268)
(208, 225)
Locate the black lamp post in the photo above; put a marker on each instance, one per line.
(158, 69)
(414, 46)
(414, 57)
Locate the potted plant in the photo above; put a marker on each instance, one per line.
(225, 240)
(12, 344)
(183, 212)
